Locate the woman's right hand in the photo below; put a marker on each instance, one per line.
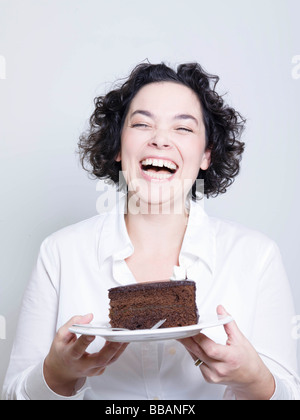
(68, 362)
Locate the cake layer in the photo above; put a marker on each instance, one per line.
(141, 305)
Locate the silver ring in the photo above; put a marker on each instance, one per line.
(198, 362)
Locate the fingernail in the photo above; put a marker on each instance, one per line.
(90, 338)
(89, 315)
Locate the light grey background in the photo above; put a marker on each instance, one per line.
(60, 54)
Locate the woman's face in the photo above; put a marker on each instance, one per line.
(163, 143)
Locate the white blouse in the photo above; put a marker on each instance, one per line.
(231, 265)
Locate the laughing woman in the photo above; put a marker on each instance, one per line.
(163, 130)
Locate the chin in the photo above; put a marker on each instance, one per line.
(162, 200)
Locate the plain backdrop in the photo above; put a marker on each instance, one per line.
(57, 55)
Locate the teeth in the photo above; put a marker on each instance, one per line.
(157, 175)
(159, 162)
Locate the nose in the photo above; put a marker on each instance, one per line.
(160, 140)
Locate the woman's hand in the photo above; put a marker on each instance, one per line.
(236, 364)
(68, 362)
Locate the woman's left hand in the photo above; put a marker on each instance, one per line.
(236, 364)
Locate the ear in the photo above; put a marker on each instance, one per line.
(118, 157)
(206, 159)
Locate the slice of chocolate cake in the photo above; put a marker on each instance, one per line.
(142, 305)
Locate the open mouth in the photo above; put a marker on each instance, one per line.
(158, 168)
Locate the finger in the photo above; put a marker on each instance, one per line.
(101, 370)
(209, 367)
(195, 350)
(232, 331)
(118, 353)
(109, 353)
(79, 347)
(212, 350)
(65, 335)
(191, 346)
(96, 372)
(196, 358)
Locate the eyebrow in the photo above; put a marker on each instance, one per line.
(186, 117)
(142, 112)
(177, 117)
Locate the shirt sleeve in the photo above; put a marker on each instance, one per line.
(272, 329)
(282, 391)
(36, 388)
(35, 332)
(271, 333)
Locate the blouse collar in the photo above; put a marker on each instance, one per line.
(199, 241)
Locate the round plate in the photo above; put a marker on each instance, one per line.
(128, 336)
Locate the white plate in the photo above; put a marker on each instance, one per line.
(150, 335)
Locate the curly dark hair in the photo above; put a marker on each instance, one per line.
(100, 145)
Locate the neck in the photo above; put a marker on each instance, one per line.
(156, 229)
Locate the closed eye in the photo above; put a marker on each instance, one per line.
(184, 129)
(140, 126)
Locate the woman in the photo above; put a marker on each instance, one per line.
(165, 130)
